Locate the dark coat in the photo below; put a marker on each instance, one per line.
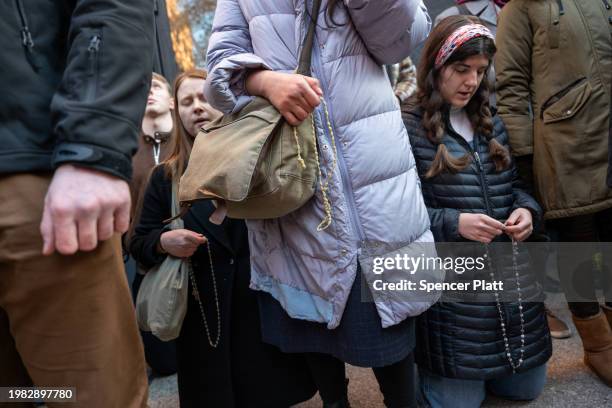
(164, 62)
(610, 147)
(464, 340)
(71, 90)
(242, 371)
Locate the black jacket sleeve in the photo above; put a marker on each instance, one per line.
(610, 148)
(522, 199)
(520, 187)
(99, 104)
(150, 226)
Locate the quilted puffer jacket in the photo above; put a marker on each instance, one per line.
(374, 191)
(464, 340)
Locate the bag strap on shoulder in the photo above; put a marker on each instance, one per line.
(175, 207)
(176, 210)
(306, 53)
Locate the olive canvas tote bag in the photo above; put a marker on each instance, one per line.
(161, 303)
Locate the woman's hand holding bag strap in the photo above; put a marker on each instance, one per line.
(254, 163)
(161, 303)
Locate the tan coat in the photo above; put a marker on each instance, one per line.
(557, 63)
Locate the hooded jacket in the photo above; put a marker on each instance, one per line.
(554, 76)
(377, 204)
(71, 92)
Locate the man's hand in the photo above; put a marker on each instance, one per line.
(83, 207)
(181, 243)
(479, 227)
(294, 96)
(520, 224)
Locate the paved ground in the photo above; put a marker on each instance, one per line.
(570, 383)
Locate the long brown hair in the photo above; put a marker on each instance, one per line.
(434, 107)
(176, 163)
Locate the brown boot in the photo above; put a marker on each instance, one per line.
(608, 312)
(596, 337)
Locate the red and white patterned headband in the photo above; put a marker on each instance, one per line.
(459, 37)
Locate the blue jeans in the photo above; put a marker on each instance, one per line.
(443, 392)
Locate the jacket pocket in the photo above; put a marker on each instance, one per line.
(26, 37)
(566, 103)
(84, 65)
(93, 64)
(554, 26)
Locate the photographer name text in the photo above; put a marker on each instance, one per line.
(424, 285)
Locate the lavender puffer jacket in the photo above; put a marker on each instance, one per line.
(378, 208)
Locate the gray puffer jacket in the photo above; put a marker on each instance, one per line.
(378, 208)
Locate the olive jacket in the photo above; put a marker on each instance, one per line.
(554, 71)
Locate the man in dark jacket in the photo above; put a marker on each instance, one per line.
(73, 94)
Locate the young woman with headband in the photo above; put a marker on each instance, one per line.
(472, 193)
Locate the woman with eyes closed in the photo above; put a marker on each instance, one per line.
(221, 360)
(473, 194)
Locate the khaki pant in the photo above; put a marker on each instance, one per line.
(65, 321)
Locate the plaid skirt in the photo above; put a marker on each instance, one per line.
(359, 340)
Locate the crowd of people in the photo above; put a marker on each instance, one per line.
(499, 134)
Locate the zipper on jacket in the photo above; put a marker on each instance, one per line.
(479, 167)
(26, 37)
(483, 180)
(347, 187)
(93, 51)
(554, 31)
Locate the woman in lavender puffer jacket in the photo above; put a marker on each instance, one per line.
(310, 280)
